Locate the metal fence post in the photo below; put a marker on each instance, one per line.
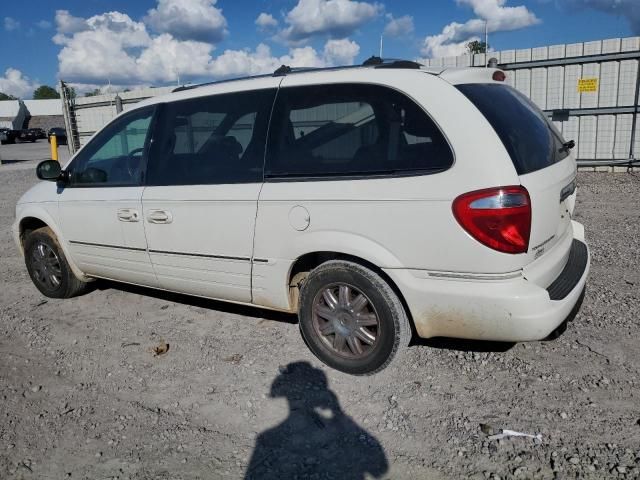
(53, 140)
(634, 121)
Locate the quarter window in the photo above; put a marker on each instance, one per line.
(352, 130)
(116, 155)
(211, 140)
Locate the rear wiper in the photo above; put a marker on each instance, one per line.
(566, 146)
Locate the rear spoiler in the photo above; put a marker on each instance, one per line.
(457, 76)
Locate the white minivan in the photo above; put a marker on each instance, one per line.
(376, 202)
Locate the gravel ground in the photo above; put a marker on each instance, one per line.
(237, 393)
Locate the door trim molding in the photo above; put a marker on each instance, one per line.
(167, 252)
(104, 245)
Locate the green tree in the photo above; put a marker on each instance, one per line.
(93, 93)
(477, 47)
(4, 96)
(44, 92)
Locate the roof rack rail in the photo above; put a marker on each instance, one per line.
(216, 82)
(373, 60)
(282, 70)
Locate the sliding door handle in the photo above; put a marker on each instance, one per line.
(159, 216)
(128, 215)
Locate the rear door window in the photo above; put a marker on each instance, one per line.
(218, 139)
(352, 130)
(532, 141)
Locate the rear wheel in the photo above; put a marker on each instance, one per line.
(351, 318)
(48, 267)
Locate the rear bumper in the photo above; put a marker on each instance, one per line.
(510, 309)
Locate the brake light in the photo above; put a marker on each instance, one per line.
(499, 76)
(499, 218)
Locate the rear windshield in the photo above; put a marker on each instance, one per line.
(531, 139)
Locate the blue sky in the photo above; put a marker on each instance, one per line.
(160, 41)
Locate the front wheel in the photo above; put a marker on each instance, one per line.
(351, 318)
(48, 267)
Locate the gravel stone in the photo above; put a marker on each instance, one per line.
(428, 415)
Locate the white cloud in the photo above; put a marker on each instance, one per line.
(233, 63)
(15, 83)
(167, 58)
(630, 9)
(500, 18)
(44, 24)
(266, 21)
(68, 24)
(102, 49)
(398, 27)
(197, 20)
(113, 48)
(11, 24)
(335, 18)
(341, 52)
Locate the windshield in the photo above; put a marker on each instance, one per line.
(531, 139)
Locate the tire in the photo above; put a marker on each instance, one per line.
(48, 267)
(344, 299)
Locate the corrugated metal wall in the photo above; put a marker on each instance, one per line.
(600, 122)
(93, 113)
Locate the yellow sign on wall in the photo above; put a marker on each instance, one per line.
(586, 85)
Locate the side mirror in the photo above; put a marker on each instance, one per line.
(49, 170)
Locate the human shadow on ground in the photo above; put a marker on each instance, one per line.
(317, 439)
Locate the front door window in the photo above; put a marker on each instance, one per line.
(115, 157)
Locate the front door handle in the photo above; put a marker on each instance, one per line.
(159, 216)
(128, 215)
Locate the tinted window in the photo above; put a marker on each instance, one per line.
(532, 141)
(352, 130)
(116, 155)
(211, 140)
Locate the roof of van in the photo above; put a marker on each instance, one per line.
(451, 74)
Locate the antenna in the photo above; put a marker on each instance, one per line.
(486, 42)
(381, 37)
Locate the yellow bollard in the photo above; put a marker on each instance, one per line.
(54, 147)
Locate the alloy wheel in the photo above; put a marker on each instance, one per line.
(346, 320)
(45, 266)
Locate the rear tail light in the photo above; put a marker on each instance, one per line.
(499, 218)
